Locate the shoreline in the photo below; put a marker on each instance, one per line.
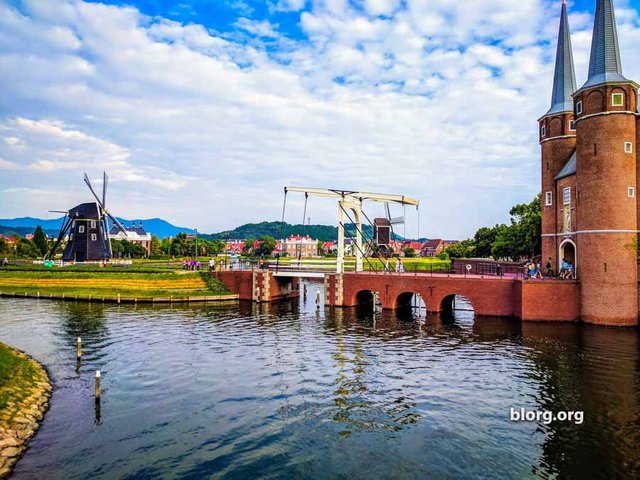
(119, 299)
(24, 409)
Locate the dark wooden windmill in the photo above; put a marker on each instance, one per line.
(87, 228)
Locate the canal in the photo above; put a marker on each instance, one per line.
(285, 391)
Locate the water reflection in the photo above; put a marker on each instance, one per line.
(257, 390)
(595, 370)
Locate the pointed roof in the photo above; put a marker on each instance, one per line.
(570, 168)
(564, 80)
(604, 65)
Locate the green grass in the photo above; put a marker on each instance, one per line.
(16, 376)
(106, 283)
(411, 264)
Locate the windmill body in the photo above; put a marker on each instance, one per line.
(86, 229)
(88, 240)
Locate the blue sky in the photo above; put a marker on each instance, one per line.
(202, 111)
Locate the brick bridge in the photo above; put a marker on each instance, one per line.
(528, 300)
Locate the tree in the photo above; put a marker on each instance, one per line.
(267, 245)
(409, 252)
(40, 240)
(156, 246)
(483, 240)
(27, 249)
(463, 249)
(248, 246)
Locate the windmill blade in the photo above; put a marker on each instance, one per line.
(387, 211)
(105, 180)
(66, 226)
(116, 222)
(66, 212)
(86, 180)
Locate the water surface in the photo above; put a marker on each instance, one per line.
(287, 392)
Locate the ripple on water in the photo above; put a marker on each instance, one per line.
(249, 391)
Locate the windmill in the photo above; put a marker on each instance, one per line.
(88, 229)
(383, 231)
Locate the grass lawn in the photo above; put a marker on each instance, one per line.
(106, 282)
(17, 375)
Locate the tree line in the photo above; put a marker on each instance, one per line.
(520, 238)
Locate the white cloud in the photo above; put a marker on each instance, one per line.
(430, 98)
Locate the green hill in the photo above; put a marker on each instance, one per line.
(280, 230)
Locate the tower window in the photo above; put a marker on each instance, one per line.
(579, 107)
(617, 99)
(93, 237)
(572, 125)
(71, 237)
(628, 147)
(543, 131)
(548, 199)
(566, 195)
(631, 192)
(93, 224)
(81, 229)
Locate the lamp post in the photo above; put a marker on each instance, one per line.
(196, 230)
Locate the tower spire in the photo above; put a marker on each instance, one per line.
(564, 80)
(604, 65)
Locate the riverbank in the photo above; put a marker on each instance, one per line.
(25, 390)
(120, 286)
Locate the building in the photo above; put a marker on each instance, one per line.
(588, 140)
(234, 246)
(298, 246)
(433, 247)
(134, 235)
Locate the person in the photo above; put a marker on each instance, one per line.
(570, 270)
(398, 265)
(401, 266)
(538, 271)
(211, 265)
(386, 265)
(5, 261)
(498, 270)
(563, 268)
(549, 268)
(532, 269)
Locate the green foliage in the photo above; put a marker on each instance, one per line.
(409, 252)
(126, 249)
(463, 249)
(5, 247)
(266, 247)
(40, 240)
(156, 246)
(521, 238)
(28, 249)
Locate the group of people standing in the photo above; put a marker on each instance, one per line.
(399, 266)
(534, 270)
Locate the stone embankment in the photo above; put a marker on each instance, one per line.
(24, 399)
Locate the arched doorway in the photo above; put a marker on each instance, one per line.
(569, 253)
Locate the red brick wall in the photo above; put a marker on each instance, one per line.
(238, 282)
(607, 262)
(557, 147)
(547, 301)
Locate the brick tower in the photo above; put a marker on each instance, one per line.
(557, 138)
(606, 226)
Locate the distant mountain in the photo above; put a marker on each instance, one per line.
(280, 230)
(25, 225)
(22, 231)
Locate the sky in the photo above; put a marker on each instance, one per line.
(202, 111)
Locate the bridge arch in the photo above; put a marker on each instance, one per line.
(364, 297)
(454, 302)
(409, 299)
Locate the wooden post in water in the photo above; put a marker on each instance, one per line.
(97, 385)
(79, 349)
(318, 300)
